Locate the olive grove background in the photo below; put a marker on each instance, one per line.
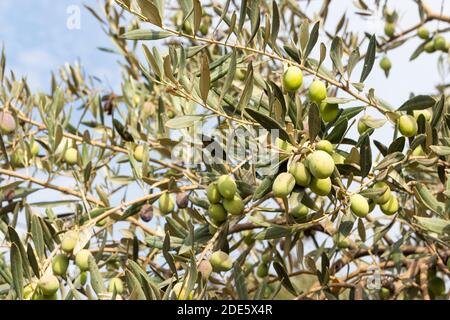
(104, 75)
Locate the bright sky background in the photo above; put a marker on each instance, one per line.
(38, 41)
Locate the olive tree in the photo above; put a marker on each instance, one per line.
(238, 160)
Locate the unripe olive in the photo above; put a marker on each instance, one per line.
(136, 100)
(7, 123)
(389, 29)
(205, 269)
(426, 113)
(180, 292)
(418, 152)
(116, 284)
(437, 286)
(385, 64)
(328, 111)
(83, 278)
(301, 174)
(283, 185)
(267, 257)
(320, 164)
(423, 33)
(187, 27)
(385, 196)
(69, 241)
(182, 200)
(321, 187)
(325, 145)
(71, 156)
(234, 206)
(407, 125)
(439, 42)
(220, 261)
(203, 29)
(60, 263)
(362, 127)
(28, 291)
(359, 205)
(343, 243)
(17, 158)
(217, 212)
(338, 158)
(248, 237)
(429, 47)
(139, 153)
(82, 259)
(317, 91)
(385, 293)
(240, 74)
(170, 114)
(213, 194)
(48, 284)
(263, 270)
(300, 211)
(292, 78)
(34, 148)
(390, 207)
(226, 186)
(166, 204)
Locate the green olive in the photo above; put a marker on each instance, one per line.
(226, 186)
(439, 42)
(213, 194)
(317, 91)
(385, 293)
(320, 164)
(429, 47)
(69, 241)
(166, 203)
(385, 64)
(34, 148)
(329, 111)
(407, 125)
(423, 33)
(60, 263)
(437, 286)
(385, 196)
(71, 156)
(389, 29)
(301, 174)
(292, 78)
(262, 271)
(217, 212)
(391, 207)
(283, 185)
(321, 187)
(139, 153)
(300, 211)
(220, 261)
(116, 284)
(82, 259)
(326, 146)
(359, 205)
(48, 284)
(234, 206)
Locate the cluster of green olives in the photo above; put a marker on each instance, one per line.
(433, 44)
(317, 92)
(313, 172)
(49, 284)
(262, 270)
(224, 199)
